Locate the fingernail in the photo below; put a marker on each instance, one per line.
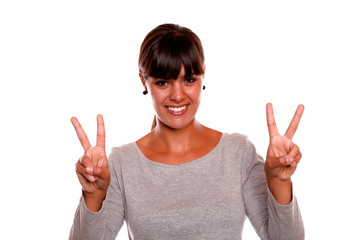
(293, 164)
(289, 160)
(92, 178)
(89, 170)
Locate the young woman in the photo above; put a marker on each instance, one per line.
(184, 180)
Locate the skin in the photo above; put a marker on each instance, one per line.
(92, 167)
(177, 139)
(283, 156)
(180, 138)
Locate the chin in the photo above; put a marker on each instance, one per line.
(177, 124)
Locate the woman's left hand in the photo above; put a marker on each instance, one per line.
(283, 155)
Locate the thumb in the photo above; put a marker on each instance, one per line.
(99, 172)
(283, 161)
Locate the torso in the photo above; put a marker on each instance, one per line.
(200, 199)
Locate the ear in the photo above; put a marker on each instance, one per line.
(143, 80)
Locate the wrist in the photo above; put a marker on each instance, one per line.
(278, 181)
(94, 201)
(281, 190)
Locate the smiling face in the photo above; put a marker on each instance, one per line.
(171, 66)
(176, 101)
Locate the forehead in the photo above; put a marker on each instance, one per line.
(182, 72)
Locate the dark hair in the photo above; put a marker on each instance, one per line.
(166, 48)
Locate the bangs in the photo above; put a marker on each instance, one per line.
(169, 52)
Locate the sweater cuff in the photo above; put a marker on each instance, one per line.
(88, 215)
(285, 219)
(272, 201)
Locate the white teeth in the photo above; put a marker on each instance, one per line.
(178, 109)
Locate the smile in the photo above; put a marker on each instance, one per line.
(177, 110)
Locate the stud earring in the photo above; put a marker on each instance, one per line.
(145, 92)
(203, 87)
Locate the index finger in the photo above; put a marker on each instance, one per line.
(272, 128)
(295, 122)
(100, 140)
(81, 134)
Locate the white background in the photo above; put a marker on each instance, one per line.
(60, 59)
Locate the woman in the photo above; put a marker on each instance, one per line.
(184, 180)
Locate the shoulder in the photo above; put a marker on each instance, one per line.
(123, 151)
(121, 155)
(234, 139)
(237, 139)
(123, 148)
(224, 139)
(237, 144)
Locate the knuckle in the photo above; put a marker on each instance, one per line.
(101, 134)
(107, 176)
(82, 160)
(78, 167)
(83, 139)
(96, 170)
(300, 155)
(295, 147)
(85, 159)
(78, 163)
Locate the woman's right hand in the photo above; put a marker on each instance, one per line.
(92, 167)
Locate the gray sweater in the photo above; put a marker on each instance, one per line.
(207, 198)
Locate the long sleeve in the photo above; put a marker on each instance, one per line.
(106, 223)
(270, 219)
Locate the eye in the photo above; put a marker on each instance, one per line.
(161, 83)
(190, 80)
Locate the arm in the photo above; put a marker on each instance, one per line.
(267, 188)
(105, 223)
(100, 212)
(270, 219)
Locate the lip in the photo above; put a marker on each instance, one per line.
(177, 110)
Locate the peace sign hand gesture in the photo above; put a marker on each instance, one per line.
(282, 155)
(92, 167)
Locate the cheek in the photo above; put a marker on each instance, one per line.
(157, 98)
(195, 95)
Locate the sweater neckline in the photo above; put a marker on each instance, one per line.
(207, 155)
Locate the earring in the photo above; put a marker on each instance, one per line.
(145, 92)
(203, 87)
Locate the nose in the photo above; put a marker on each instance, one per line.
(177, 93)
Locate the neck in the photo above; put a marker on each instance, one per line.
(178, 140)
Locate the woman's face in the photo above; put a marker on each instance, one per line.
(176, 101)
